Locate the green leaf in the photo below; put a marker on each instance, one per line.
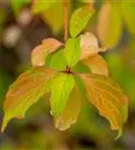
(128, 11)
(71, 112)
(18, 4)
(81, 67)
(108, 98)
(80, 85)
(60, 91)
(72, 51)
(41, 6)
(79, 20)
(25, 91)
(58, 61)
(109, 24)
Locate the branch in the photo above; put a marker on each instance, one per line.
(65, 6)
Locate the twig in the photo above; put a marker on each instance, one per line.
(65, 7)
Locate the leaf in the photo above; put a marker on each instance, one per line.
(58, 61)
(60, 91)
(57, 21)
(81, 68)
(97, 64)
(52, 8)
(108, 98)
(89, 45)
(109, 24)
(25, 91)
(128, 11)
(40, 52)
(72, 51)
(71, 112)
(41, 6)
(79, 20)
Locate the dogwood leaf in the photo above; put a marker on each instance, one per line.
(89, 45)
(40, 6)
(109, 24)
(128, 11)
(96, 64)
(58, 61)
(72, 51)
(108, 98)
(60, 90)
(71, 112)
(57, 22)
(40, 52)
(79, 20)
(25, 91)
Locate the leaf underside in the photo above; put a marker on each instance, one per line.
(40, 52)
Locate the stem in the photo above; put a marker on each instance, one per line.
(65, 6)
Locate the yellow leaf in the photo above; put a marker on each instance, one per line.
(71, 112)
(40, 52)
(109, 24)
(40, 6)
(25, 91)
(96, 64)
(54, 16)
(89, 45)
(128, 11)
(108, 98)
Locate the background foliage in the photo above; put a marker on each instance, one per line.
(21, 31)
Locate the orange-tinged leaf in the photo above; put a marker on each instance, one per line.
(88, 39)
(96, 64)
(40, 52)
(108, 98)
(89, 45)
(71, 112)
(109, 27)
(25, 91)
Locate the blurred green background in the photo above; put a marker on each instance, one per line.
(20, 32)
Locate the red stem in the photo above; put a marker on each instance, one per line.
(65, 6)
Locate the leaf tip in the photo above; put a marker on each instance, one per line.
(4, 124)
(119, 134)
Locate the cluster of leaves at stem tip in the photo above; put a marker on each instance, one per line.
(69, 72)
